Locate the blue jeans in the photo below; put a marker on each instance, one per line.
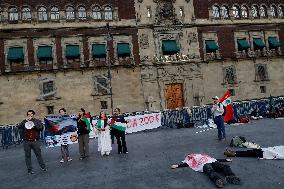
(219, 121)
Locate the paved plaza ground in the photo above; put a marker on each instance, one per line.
(148, 163)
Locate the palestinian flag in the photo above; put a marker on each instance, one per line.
(51, 127)
(118, 125)
(227, 103)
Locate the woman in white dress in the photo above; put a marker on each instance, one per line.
(104, 139)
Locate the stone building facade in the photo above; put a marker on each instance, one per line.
(143, 54)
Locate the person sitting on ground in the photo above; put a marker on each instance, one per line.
(211, 167)
(275, 152)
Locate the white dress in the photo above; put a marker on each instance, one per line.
(104, 141)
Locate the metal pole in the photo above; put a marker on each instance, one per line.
(109, 38)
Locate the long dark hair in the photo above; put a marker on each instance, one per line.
(100, 116)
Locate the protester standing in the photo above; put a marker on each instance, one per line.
(217, 111)
(31, 128)
(64, 147)
(83, 126)
(118, 126)
(104, 138)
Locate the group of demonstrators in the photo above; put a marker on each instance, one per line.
(218, 172)
(105, 126)
(115, 126)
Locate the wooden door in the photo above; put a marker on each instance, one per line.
(174, 95)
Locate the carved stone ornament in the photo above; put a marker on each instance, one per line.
(140, 1)
(144, 41)
(192, 37)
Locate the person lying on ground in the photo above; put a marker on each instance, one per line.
(275, 152)
(213, 168)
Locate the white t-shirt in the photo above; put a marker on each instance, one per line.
(197, 161)
(275, 152)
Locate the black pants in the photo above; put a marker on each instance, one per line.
(214, 170)
(28, 146)
(250, 153)
(120, 138)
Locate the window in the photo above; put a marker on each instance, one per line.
(169, 47)
(48, 88)
(26, 14)
(123, 50)
(263, 11)
(244, 12)
(1, 14)
(99, 51)
(181, 12)
(273, 11)
(281, 11)
(216, 11)
(273, 43)
(254, 11)
(211, 46)
(70, 13)
(148, 12)
(104, 105)
(13, 14)
(230, 76)
(54, 13)
(243, 44)
(236, 11)
(82, 13)
(224, 12)
(72, 52)
(42, 14)
(16, 55)
(50, 109)
(258, 44)
(262, 89)
(102, 85)
(44, 54)
(261, 72)
(108, 13)
(232, 92)
(97, 13)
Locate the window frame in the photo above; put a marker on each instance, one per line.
(42, 14)
(54, 13)
(70, 13)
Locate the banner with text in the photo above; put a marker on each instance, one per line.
(140, 122)
(143, 122)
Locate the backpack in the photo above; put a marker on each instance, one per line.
(237, 141)
(224, 108)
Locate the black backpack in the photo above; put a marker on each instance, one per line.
(224, 113)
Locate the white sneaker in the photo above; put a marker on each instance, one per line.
(62, 161)
(69, 159)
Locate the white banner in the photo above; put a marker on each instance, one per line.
(141, 122)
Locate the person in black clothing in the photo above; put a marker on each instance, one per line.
(217, 172)
(83, 134)
(31, 128)
(118, 126)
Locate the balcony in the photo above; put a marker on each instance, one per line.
(212, 56)
(177, 58)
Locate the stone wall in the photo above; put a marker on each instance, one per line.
(74, 89)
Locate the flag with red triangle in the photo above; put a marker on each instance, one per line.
(228, 104)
